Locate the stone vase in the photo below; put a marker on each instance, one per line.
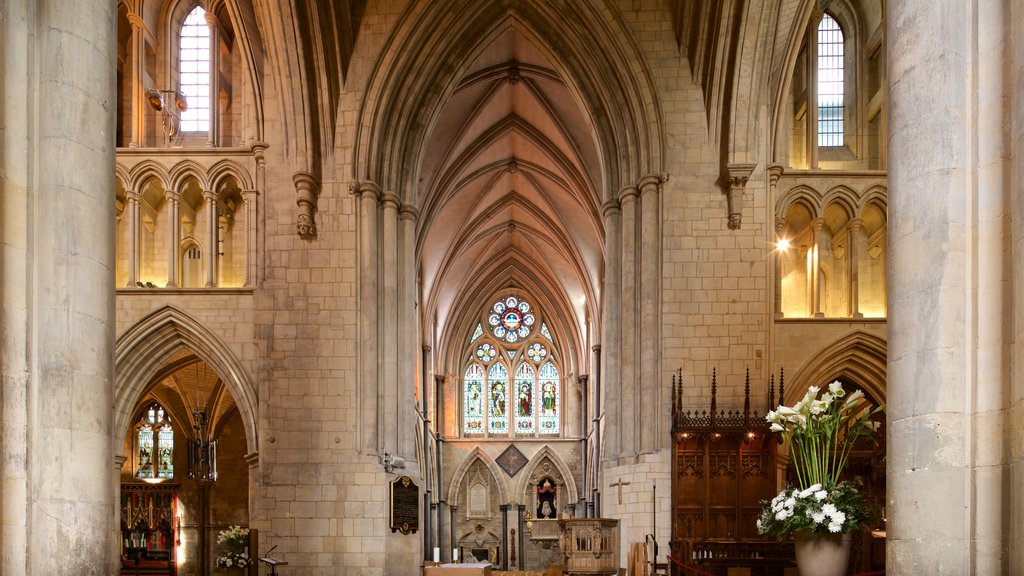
(822, 555)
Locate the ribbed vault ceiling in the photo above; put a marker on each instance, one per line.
(509, 190)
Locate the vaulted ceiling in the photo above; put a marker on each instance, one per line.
(508, 191)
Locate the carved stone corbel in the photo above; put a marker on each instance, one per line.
(307, 191)
(736, 177)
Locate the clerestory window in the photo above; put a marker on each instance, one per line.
(830, 82)
(194, 66)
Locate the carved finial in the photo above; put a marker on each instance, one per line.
(771, 394)
(714, 393)
(782, 385)
(746, 396)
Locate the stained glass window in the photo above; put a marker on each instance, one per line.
(194, 60)
(485, 352)
(547, 418)
(499, 400)
(155, 439)
(165, 441)
(145, 451)
(473, 404)
(524, 399)
(497, 407)
(830, 82)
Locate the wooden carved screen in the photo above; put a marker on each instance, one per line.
(149, 528)
(723, 466)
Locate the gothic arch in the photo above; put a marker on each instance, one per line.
(801, 194)
(144, 347)
(859, 356)
(229, 168)
(477, 454)
(183, 170)
(427, 52)
(547, 453)
(144, 171)
(507, 276)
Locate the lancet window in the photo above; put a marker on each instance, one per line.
(194, 60)
(155, 444)
(511, 383)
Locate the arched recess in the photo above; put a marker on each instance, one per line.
(144, 348)
(427, 54)
(533, 467)
(477, 454)
(858, 357)
(494, 283)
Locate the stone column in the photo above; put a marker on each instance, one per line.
(367, 195)
(949, 261)
(249, 198)
(651, 412)
(780, 227)
(611, 345)
(138, 99)
(628, 391)
(214, 130)
(407, 321)
(388, 426)
(212, 247)
(774, 173)
(1016, 238)
(134, 219)
(173, 236)
(814, 269)
(57, 288)
(856, 246)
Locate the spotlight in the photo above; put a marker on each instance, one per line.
(783, 244)
(156, 99)
(180, 102)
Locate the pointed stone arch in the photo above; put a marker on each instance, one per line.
(459, 477)
(143, 348)
(859, 356)
(428, 51)
(533, 467)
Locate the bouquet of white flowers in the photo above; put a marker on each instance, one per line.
(820, 433)
(235, 538)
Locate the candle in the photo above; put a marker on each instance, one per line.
(455, 554)
(437, 554)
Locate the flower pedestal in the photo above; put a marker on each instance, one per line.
(822, 555)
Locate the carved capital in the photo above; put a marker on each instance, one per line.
(651, 183)
(408, 212)
(736, 177)
(611, 207)
(307, 191)
(628, 194)
(365, 189)
(390, 201)
(137, 23)
(774, 173)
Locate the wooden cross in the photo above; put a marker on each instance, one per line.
(620, 484)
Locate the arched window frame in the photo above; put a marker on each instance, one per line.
(863, 113)
(830, 82)
(153, 442)
(508, 411)
(194, 72)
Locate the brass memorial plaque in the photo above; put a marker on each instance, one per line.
(405, 505)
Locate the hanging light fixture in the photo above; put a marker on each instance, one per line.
(202, 448)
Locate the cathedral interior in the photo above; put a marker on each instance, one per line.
(284, 264)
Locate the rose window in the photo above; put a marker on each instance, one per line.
(511, 319)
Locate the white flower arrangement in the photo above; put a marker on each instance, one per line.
(821, 433)
(235, 538)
